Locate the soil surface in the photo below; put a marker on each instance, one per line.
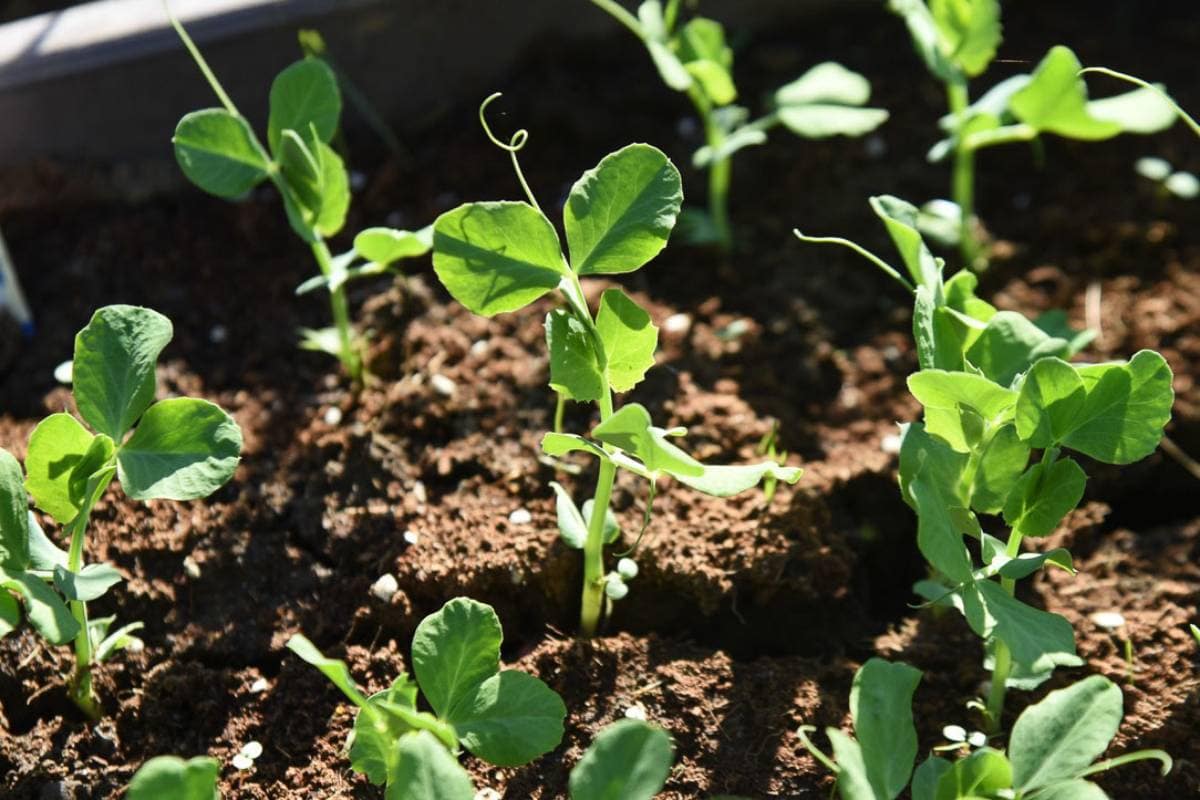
(747, 619)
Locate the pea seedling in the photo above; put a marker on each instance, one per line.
(694, 58)
(172, 778)
(629, 759)
(995, 387)
(496, 257)
(506, 718)
(1050, 752)
(183, 448)
(219, 152)
(957, 40)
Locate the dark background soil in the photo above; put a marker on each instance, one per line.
(745, 621)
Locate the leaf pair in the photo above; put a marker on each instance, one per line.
(505, 717)
(495, 257)
(957, 39)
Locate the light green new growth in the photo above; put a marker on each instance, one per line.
(496, 257)
(177, 449)
(219, 152)
(629, 759)
(995, 387)
(694, 58)
(172, 778)
(957, 39)
(505, 717)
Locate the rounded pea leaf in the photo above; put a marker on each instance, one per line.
(881, 704)
(970, 31)
(56, 446)
(88, 584)
(217, 152)
(982, 774)
(1058, 738)
(303, 95)
(1056, 100)
(47, 612)
(631, 430)
(385, 245)
(1042, 497)
(375, 732)
(1051, 396)
(629, 339)
(172, 777)
(1001, 464)
(335, 191)
(822, 120)
(183, 449)
(302, 172)
(455, 650)
(14, 515)
(425, 770)
(496, 257)
(114, 364)
(1127, 407)
(620, 213)
(574, 371)
(509, 719)
(629, 759)
(10, 614)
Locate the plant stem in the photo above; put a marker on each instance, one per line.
(559, 407)
(718, 171)
(340, 307)
(81, 691)
(964, 175)
(593, 549)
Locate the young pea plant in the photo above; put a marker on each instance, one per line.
(957, 40)
(172, 778)
(1050, 752)
(694, 58)
(219, 152)
(996, 387)
(496, 257)
(629, 759)
(506, 718)
(180, 449)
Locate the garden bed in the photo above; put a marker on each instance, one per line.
(746, 620)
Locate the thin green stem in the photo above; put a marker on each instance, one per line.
(559, 408)
(515, 144)
(671, 15)
(201, 63)
(719, 171)
(340, 306)
(862, 251)
(621, 15)
(1112, 73)
(964, 174)
(81, 690)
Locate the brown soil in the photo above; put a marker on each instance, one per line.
(746, 620)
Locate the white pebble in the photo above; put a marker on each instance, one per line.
(1156, 169)
(64, 372)
(241, 761)
(954, 733)
(1110, 620)
(385, 587)
(191, 567)
(977, 739)
(677, 323)
(443, 385)
(636, 712)
(890, 444)
(479, 348)
(520, 517)
(1183, 184)
(333, 416)
(252, 749)
(259, 686)
(412, 537)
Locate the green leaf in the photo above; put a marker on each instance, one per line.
(853, 782)
(938, 536)
(824, 102)
(881, 705)
(1052, 395)
(1010, 344)
(455, 650)
(927, 38)
(114, 364)
(333, 669)
(629, 339)
(1043, 496)
(630, 429)
(921, 453)
(496, 257)
(302, 96)
(1073, 790)
(10, 614)
(302, 172)
(1055, 323)
(1143, 110)
(628, 760)
(925, 779)
(571, 525)
(827, 82)
(44, 555)
(574, 367)
(559, 444)
(1026, 564)
(1058, 738)
(1126, 409)
(946, 394)
(619, 214)
(982, 774)
(171, 777)
(509, 719)
(426, 771)
(422, 721)
(1001, 463)
(900, 219)
(335, 191)
(970, 31)
(714, 80)
(1055, 101)
(822, 120)
(701, 47)
(217, 152)
(46, 611)
(56, 446)
(14, 515)
(89, 583)
(104, 646)
(1039, 640)
(375, 731)
(385, 245)
(726, 481)
(183, 449)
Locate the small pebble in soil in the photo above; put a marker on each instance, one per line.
(636, 712)
(333, 416)
(412, 537)
(418, 491)
(890, 444)
(677, 323)
(259, 686)
(385, 587)
(443, 385)
(480, 348)
(1109, 620)
(247, 755)
(64, 372)
(520, 517)
(218, 334)
(191, 567)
